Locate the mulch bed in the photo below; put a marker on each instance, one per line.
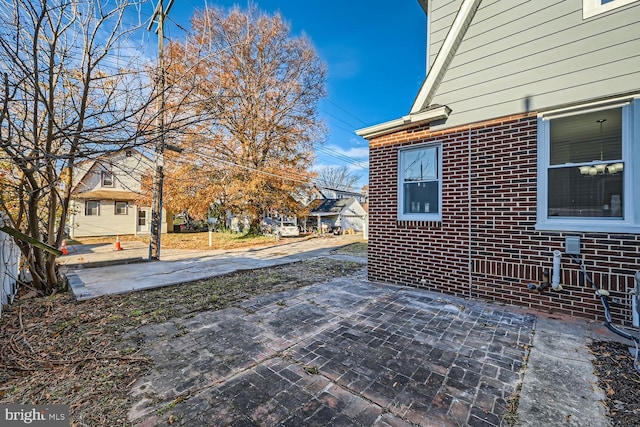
(619, 380)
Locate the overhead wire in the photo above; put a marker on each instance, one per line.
(341, 123)
(300, 178)
(110, 64)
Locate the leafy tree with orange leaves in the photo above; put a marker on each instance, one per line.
(257, 90)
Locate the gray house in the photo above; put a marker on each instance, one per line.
(343, 214)
(519, 155)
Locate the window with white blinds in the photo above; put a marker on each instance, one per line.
(588, 166)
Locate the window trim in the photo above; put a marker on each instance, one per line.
(86, 207)
(102, 179)
(436, 216)
(592, 8)
(630, 223)
(115, 207)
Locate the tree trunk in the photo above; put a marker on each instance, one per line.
(255, 227)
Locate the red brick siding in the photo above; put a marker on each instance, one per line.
(496, 252)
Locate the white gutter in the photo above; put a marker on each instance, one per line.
(412, 120)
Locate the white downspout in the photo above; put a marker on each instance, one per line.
(555, 281)
(635, 300)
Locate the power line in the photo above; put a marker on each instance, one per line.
(340, 156)
(362, 122)
(299, 179)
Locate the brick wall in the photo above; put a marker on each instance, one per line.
(486, 245)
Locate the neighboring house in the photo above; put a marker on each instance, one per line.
(316, 192)
(333, 193)
(104, 194)
(523, 140)
(345, 213)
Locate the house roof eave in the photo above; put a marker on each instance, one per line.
(425, 5)
(440, 112)
(106, 195)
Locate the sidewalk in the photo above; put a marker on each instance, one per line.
(348, 352)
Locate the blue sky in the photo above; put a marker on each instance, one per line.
(375, 56)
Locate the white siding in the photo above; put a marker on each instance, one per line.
(127, 172)
(104, 224)
(9, 269)
(127, 176)
(107, 223)
(519, 55)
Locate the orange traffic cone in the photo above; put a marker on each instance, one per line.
(118, 247)
(63, 248)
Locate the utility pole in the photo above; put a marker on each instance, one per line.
(158, 179)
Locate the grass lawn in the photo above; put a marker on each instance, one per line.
(199, 241)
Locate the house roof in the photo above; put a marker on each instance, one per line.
(323, 190)
(422, 112)
(333, 206)
(107, 195)
(436, 112)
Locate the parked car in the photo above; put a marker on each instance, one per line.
(183, 223)
(288, 229)
(280, 228)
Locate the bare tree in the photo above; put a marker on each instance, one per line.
(72, 89)
(337, 178)
(260, 88)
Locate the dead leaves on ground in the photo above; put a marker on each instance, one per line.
(619, 380)
(57, 350)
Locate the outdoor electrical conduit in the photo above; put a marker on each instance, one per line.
(555, 281)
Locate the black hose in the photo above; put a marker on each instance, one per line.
(605, 304)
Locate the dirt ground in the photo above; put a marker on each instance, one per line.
(57, 350)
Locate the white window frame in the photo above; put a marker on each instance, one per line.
(630, 222)
(595, 7)
(436, 216)
(106, 179)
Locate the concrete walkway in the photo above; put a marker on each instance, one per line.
(350, 352)
(178, 265)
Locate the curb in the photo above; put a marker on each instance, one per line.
(105, 263)
(77, 286)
